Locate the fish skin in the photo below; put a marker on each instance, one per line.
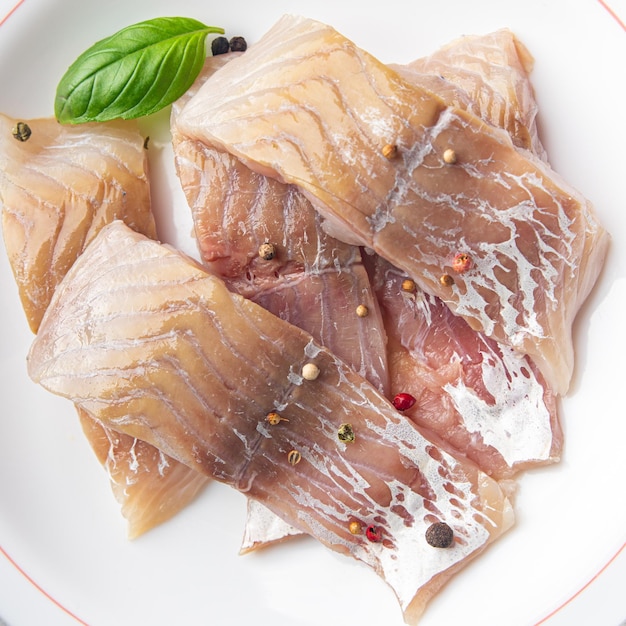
(315, 281)
(146, 341)
(488, 75)
(482, 398)
(149, 486)
(58, 189)
(329, 107)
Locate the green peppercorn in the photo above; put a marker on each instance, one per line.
(22, 131)
(219, 46)
(346, 433)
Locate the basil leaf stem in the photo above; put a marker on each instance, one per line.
(135, 72)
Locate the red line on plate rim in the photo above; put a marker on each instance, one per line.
(614, 15)
(10, 13)
(586, 586)
(39, 588)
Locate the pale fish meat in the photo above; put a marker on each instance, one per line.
(146, 341)
(489, 75)
(58, 188)
(483, 398)
(480, 397)
(311, 280)
(59, 185)
(265, 240)
(308, 107)
(222, 193)
(149, 486)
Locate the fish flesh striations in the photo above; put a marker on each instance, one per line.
(145, 340)
(482, 398)
(320, 118)
(488, 75)
(518, 416)
(470, 391)
(58, 188)
(150, 486)
(305, 277)
(265, 240)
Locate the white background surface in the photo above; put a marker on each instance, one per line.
(58, 520)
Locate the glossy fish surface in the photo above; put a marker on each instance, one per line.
(489, 75)
(482, 398)
(149, 486)
(152, 345)
(58, 188)
(321, 117)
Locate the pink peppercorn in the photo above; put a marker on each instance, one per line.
(403, 401)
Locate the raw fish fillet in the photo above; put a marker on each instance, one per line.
(517, 416)
(480, 397)
(150, 486)
(488, 75)
(306, 106)
(312, 281)
(147, 342)
(57, 189)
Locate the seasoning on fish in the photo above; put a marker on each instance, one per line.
(310, 371)
(316, 282)
(403, 401)
(180, 343)
(489, 75)
(275, 418)
(346, 433)
(446, 280)
(294, 457)
(267, 251)
(462, 263)
(439, 535)
(408, 285)
(238, 44)
(21, 131)
(390, 151)
(484, 399)
(449, 156)
(220, 45)
(536, 241)
(374, 533)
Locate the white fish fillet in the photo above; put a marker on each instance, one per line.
(150, 344)
(488, 75)
(308, 107)
(58, 188)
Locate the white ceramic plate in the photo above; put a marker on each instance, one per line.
(60, 528)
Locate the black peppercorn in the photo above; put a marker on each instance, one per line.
(439, 535)
(219, 46)
(238, 44)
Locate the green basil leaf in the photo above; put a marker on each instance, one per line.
(135, 72)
